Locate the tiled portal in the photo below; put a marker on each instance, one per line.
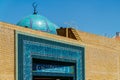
(40, 58)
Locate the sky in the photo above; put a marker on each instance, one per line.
(101, 17)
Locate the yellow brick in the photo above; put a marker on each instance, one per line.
(102, 55)
(6, 54)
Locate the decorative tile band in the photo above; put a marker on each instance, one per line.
(30, 47)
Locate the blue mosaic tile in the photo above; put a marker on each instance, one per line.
(29, 47)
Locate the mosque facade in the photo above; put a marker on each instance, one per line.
(37, 49)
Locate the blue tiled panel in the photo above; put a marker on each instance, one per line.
(29, 47)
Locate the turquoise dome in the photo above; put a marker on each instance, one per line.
(38, 22)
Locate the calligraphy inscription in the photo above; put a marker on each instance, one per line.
(53, 68)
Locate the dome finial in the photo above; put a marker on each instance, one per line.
(35, 6)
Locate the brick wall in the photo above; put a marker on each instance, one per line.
(6, 54)
(102, 64)
(102, 54)
(102, 57)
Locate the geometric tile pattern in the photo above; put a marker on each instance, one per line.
(31, 47)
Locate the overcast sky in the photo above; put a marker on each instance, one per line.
(100, 17)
